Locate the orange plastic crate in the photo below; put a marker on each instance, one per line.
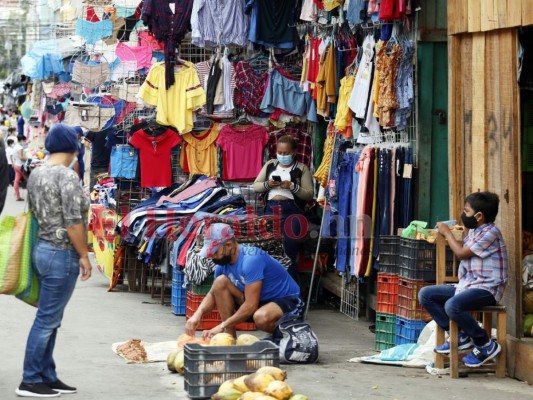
(387, 293)
(408, 305)
(209, 321)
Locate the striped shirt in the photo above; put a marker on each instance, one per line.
(487, 269)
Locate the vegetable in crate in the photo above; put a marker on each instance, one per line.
(222, 339)
(246, 339)
(184, 339)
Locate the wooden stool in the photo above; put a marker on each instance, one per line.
(501, 359)
(485, 312)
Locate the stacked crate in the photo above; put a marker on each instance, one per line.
(418, 268)
(177, 299)
(195, 296)
(387, 299)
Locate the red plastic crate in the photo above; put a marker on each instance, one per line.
(209, 321)
(387, 293)
(408, 305)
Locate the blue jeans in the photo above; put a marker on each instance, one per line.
(345, 212)
(58, 271)
(292, 228)
(443, 304)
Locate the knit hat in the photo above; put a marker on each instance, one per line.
(61, 139)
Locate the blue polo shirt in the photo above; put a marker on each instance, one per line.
(255, 265)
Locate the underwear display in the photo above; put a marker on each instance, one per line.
(91, 76)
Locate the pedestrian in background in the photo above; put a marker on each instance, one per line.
(19, 158)
(56, 200)
(4, 175)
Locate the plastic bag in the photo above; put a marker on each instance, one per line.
(414, 228)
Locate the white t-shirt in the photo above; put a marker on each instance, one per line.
(285, 175)
(16, 157)
(9, 153)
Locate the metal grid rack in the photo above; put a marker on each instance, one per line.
(350, 297)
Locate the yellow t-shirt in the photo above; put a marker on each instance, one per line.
(331, 4)
(175, 105)
(343, 111)
(201, 152)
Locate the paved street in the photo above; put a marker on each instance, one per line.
(95, 319)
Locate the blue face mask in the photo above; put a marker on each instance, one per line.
(285, 160)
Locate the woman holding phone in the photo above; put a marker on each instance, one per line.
(289, 186)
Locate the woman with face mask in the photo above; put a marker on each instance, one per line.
(60, 255)
(289, 186)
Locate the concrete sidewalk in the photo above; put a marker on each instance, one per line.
(95, 319)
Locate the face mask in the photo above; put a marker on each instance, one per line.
(225, 260)
(285, 160)
(469, 222)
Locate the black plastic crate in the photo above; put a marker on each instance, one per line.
(418, 260)
(207, 367)
(389, 248)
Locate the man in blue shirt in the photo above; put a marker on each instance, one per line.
(249, 283)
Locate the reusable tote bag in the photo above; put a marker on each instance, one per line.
(17, 237)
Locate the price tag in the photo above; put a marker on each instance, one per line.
(408, 171)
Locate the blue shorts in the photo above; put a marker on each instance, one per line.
(124, 161)
(291, 305)
(94, 31)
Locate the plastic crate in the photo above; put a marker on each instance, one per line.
(178, 297)
(408, 305)
(212, 319)
(205, 287)
(407, 330)
(389, 253)
(387, 293)
(385, 331)
(418, 260)
(207, 367)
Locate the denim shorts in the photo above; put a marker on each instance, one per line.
(124, 161)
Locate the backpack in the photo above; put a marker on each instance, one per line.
(298, 343)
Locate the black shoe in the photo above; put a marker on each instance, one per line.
(35, 390)
(60, 387)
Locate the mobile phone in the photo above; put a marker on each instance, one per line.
(276, 178)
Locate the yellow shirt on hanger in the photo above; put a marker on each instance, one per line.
(175, 105)
(201, 151)
(343, 111)
(331, 4)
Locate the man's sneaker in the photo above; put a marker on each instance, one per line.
(480, 355)
(35, 390)
(61, 387)
(465, 343)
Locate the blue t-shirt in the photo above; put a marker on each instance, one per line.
(254, 265)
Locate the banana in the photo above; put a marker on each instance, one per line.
(258, 382)
(277, 374)
(279, 390)
(240, 385)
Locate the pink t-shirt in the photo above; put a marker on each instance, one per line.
(242, 151)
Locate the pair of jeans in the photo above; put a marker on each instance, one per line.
(293, 227)
(443, 305)
(383, 198)
(57, 271)
(345, 212)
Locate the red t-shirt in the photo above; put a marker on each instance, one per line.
(155, 157)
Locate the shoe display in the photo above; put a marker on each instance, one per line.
(465, 343)
(480, 355)
(61, 387)
(35, 390)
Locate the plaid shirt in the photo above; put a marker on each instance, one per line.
(303, 139)
(487, 269)
(250, 88)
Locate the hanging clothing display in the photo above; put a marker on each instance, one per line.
(176, 104)
(199, 153)
(169, 22)
(272, 22)
(154, 153)
(242, 151)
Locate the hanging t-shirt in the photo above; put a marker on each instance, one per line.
(199, 152)
(242, 151)
(154, 154)
(176, 104)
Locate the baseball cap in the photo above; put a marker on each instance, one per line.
(214, 236)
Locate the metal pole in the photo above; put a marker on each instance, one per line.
(319, 240)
